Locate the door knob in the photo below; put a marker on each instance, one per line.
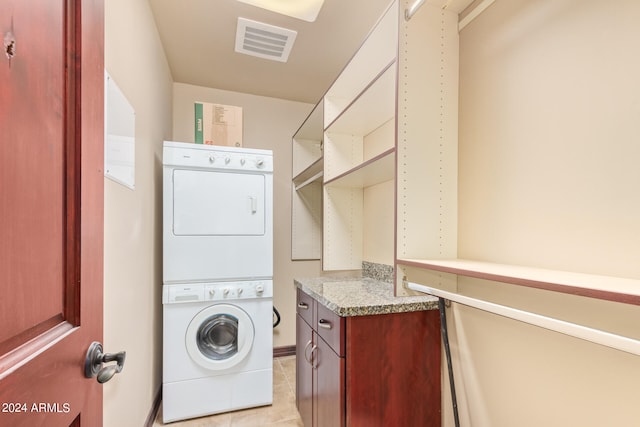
(93, 363)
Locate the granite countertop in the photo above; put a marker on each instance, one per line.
(361, 296)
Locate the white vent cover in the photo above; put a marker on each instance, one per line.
(264, 40)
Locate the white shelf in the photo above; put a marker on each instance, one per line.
(374, 171)
(610, 288)
(365, 129)
(377, 51)
(315, 178)
(312, 126)
(372, 107)
(313, 172)
(307, 141)
(355, 164)
(306, 192)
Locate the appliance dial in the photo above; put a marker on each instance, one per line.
(225, 292)
(239, 291)
(260, 163)
(259, 289)
(227, 160)
(212, 159)
(242, 161)
(212, 292)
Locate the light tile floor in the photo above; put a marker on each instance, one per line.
(282, 413)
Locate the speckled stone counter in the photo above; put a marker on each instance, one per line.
(361, 296)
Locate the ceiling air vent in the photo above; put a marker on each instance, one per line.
(264, 40)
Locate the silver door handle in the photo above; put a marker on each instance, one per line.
(303, 305)
(93, 363)
(254, 204)
(305, 352)
(324, 324)
(314, 361)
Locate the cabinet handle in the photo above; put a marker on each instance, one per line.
(325, 324)
(303, 305)
(314, 361)
(305, 352)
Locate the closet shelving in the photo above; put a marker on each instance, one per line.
(427, 234)
(310, 175)
(307, 146)
(375, 54)
(427, 143)
(306, 188)
(378, 169)
(359, 142)
(617, 289)
(361, 132)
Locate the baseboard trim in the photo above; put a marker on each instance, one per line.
(289, 350)
(155, 407)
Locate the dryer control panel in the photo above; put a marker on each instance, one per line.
(180, 154)
(217, 291)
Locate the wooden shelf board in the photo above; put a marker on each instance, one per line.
(609, 288)
(371, 107)
(313, 125)
(310, 171)
(314, 178)
(378, 169)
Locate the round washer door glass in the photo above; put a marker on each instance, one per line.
(220, 336)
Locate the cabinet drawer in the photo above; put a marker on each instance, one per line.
(306, 307)
(331, 328)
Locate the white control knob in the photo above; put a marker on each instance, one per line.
(225, 292)
(242, 161)
(260, 163)
(212, 159)
(227, 160)
(239, 291)
(259, 289)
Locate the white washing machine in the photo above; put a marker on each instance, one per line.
(218, 347)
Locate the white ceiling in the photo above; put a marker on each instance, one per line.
(199, 38)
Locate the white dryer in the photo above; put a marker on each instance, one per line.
(218, 213)
(218, 347)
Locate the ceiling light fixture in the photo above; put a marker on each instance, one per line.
(307, 10)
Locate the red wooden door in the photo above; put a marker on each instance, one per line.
(51, 210)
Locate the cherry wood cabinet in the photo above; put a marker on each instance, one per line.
(304, 370)
(320, 382)
(329, 385)
(376, 370)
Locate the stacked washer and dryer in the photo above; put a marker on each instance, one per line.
(218, 289)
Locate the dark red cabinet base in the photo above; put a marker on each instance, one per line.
(387, 372)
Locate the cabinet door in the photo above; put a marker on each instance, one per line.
(329, 385)
(304, 371)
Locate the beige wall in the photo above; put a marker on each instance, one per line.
(269, 123)
(548, 177)
(133, 236)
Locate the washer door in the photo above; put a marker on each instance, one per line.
(220, 336)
